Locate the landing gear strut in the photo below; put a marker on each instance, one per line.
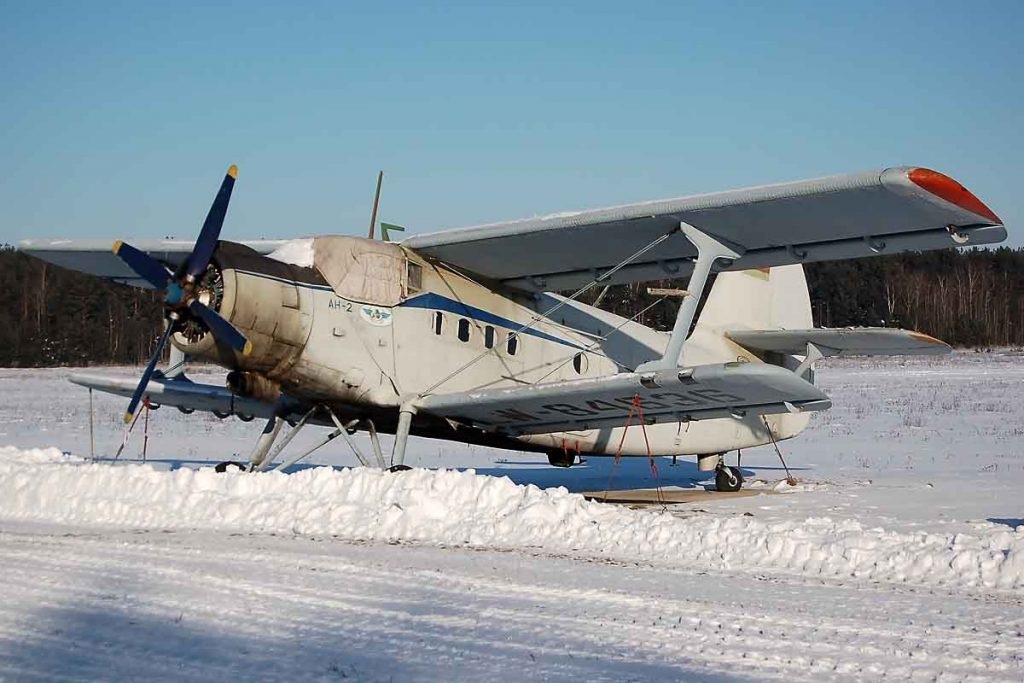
(262, 455)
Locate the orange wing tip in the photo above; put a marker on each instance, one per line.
(944, 187)
(233, 171)
(117, 246)
(247, 349)
(927, 338)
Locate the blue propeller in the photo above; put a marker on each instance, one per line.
(208, 236)
(179, 290)
(139, 261)
(222, 330)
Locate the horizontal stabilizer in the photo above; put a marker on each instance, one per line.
(849, 341)
(675, 395)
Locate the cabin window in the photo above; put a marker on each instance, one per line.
(438, 322)
(415, 276)
(489, 337)
(512, 345)
(463, 330)
(579, 363)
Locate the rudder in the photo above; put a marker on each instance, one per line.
(761, 299)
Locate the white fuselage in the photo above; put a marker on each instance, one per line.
(451, 334)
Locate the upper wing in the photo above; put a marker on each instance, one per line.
(701, 392)
(96, 257)
(852, 341)
(839, 217)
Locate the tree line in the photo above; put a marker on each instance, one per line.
(51, 316)
(972, 298)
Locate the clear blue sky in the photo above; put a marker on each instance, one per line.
(119, 119)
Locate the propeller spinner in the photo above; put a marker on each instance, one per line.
(181, 291)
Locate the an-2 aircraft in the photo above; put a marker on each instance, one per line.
(460, 335)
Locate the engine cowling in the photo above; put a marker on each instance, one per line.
(261, 298)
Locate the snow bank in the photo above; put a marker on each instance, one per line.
(296, 252)
(452, 507)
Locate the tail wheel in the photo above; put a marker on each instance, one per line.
(728, 479)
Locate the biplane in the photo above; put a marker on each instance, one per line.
(479, 334)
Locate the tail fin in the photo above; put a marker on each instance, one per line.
(762, 299)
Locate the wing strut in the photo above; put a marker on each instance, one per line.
(815, 352)
(405, 414)
(709, 250)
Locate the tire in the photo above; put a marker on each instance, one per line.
(561, 459)
(728, 479)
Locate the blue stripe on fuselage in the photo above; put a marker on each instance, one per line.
(437, 302)
(442, 303)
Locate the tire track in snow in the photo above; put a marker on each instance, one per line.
(535, 590)
(499, 621)
(440, 647)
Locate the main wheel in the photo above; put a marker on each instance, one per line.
(561, 458)
(728, 479)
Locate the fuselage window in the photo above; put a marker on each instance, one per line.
(463, 330)
(579, 363)
(512, 346)
(438, 322)
(489, 337)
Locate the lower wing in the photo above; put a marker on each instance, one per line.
(180, 393)
(676, 395)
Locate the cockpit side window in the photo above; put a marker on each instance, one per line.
(415, 276)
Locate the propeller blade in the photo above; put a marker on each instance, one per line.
(222, 330)
(146, 267)
(208, 236)
(133, 405)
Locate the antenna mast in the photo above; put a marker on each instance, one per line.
(376, 201)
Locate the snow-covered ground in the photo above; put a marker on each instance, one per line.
(900, 553)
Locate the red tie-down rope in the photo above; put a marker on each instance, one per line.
(636, 408)
(128, 430)
(145, 428)
(576, 449)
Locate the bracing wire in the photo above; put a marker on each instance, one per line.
(547, 314)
